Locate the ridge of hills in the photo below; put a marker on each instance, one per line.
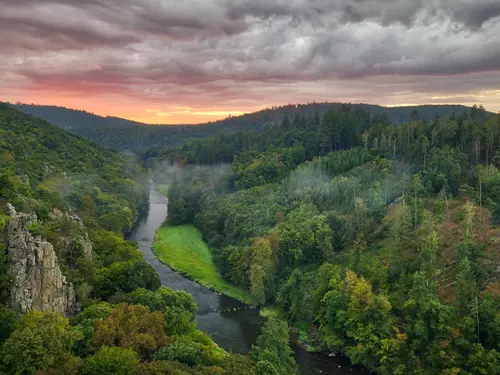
(122, 134)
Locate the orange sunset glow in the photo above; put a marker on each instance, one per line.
(195, 61)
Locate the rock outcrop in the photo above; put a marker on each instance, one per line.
(81, 240)
(38, 283)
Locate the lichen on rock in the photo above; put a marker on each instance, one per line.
(38, 283)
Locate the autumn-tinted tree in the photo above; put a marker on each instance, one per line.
(134, 327)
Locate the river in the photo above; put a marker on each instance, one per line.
(231, 324)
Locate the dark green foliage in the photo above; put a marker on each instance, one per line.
(254, 169)
(375, 200)
(161, 368)
(9, 321)
(125, 135)
(341, 130)
(239, 365)
(125, 277)
(291, 296)
(272, 350)
(61, 169)
(180, 351)
(111, 361)
(42, 342)
(489, 322)
(162, 298)
(444, 170)
(84, 323)
(110, 248)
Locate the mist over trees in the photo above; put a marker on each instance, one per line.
(125, 323)
(376, 239)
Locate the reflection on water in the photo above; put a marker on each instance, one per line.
(231, 324)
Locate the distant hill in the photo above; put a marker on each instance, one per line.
(122, 134)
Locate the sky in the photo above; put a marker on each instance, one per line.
(193, 61)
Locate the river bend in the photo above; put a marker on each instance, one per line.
(231, 324)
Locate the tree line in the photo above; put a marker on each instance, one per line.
(126, 323)
(377, 240)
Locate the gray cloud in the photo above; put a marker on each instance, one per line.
(167, 49)
(72, 24)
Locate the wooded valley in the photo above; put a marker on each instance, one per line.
(76, 298)
(370, 238)
(376, 240)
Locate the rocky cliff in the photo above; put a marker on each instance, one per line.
(82, 240)
(38, 283)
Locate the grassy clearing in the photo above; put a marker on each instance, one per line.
(162, 188)
(183, 249)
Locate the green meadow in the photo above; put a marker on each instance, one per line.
(162, 188)
(183, 249)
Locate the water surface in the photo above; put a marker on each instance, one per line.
(231, 324)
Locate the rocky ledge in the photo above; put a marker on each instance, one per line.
(38, 283)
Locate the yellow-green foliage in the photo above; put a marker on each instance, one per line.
(162, 188)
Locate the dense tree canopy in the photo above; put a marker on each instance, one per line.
(376, 239)
(85, 197)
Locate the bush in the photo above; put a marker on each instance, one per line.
(9, 321)
(111, 361)
(187, 353)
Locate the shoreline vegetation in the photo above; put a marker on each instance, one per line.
(162, 188)
(192, 259)
(170, 238)
(182, 248)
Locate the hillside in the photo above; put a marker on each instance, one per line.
(75, 194)
(377, 240)
(75, 297)
(122, 134)
(51, 162)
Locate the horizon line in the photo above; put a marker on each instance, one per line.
(241, 114)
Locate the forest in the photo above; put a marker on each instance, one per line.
(376, 239)
(79, 199)
(126, 135)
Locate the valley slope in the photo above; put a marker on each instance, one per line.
(75, 297)
(377, 240)
(124, 135)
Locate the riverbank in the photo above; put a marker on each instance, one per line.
(182, 248)
(162, 188)
(233, 326)
(300, 330)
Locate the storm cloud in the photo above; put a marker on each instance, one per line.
(245, 54)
